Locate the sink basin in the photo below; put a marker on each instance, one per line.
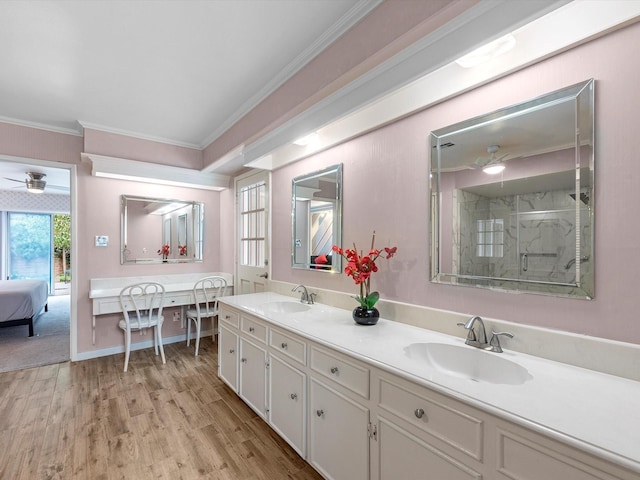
(285, 307)
(468, 362)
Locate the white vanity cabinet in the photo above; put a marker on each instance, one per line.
(228, 347)
(352, 419)
(421, 431)
(252, 374)
(338, 415)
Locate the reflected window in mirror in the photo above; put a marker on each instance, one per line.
(317, 220)
(157, 230)
(512, 197)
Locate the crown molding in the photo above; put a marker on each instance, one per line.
(133, 170)
(41, 126)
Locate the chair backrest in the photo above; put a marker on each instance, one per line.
(206, 292)
(144, 301)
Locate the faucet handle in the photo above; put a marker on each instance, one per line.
(310, 298)
(494, 343)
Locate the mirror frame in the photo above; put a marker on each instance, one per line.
(336, 263)
(197, 232)
(582, 286)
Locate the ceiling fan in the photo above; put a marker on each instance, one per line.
(35, 182)
(493, 163)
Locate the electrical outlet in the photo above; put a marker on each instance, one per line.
(176, 316)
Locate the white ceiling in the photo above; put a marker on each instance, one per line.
(176, 71)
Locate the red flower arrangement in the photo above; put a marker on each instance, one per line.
(164, 251)
(182, 250)
(360, 267)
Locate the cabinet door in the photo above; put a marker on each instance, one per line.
(228, 357)
(399, 451)
(253, 376)
(339, 440)
(287, 401)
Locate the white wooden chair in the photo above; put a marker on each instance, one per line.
(206, 292)
(141, 305)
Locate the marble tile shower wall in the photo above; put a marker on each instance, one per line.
(527, 240)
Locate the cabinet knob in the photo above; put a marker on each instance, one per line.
(231, 350)
(419, 412)
(251, 329)
(334, 370)
(293, 396)
(284, 345)
(243, 360)
(228, 317)
(320, 413)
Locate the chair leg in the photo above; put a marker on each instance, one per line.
(198, 325)
(127, 348)
(189, 319)
(214, 328)
(159, 340)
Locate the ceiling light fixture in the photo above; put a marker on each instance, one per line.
(35, 182)
(306, 140)
(487, 52)
(493, 168)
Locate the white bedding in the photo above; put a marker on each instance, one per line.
(22, 299)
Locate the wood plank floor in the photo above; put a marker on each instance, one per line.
(90, 420)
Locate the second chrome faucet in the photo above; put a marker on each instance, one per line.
(477, 337)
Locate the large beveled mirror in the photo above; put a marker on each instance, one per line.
(512, 197)
(160, 230)
(317, 220)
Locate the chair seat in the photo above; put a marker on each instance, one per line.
(144, 322)
(193, 313)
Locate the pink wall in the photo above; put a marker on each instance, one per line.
(131, 148)
(385, 188)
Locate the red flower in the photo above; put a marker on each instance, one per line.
(361, 267)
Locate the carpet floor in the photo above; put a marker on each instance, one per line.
(50, 343)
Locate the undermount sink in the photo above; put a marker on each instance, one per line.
(285, 307)
(468, 362)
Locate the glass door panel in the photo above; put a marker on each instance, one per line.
(30, 247)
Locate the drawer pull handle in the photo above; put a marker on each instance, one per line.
(243, 360)
(284, 345)
(251, 329)
(419, 412)
(231, 350)
(293, 396)
(228, 317)
(320, 413)
(334, 370)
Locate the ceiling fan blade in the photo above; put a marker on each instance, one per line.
(58, 187)
(14, 180)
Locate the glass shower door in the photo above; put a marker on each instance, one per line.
(30, 247)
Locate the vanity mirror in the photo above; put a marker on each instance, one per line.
(150, 224)
(317, 220)
(512, 197)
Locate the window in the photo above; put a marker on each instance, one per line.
(490, 241)
(252, 225)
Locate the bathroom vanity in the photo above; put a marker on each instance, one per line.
(389, 401)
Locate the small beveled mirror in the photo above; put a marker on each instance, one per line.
(317, 220)
(512, 197)
(160, 230)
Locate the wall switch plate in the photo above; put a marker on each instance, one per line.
(176, 316)
(102, 240)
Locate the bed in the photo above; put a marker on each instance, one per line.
(21, 301)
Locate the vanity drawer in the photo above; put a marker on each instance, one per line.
(229, 316)
(341, 370)
(434, 414)
(254, 328)
(288, 346)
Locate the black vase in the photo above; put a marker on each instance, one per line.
(366, 316)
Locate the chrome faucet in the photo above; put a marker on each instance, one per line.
(305, 297)
(475, 339)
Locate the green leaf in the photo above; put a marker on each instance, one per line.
(371, 299)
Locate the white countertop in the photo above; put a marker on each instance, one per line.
(594, 411)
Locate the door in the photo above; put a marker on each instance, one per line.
(30, 247)
(287, 402)
(253, 376)
(252, 220)
(228, 357)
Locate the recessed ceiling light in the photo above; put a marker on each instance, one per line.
(306, 140)
(487, 52)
